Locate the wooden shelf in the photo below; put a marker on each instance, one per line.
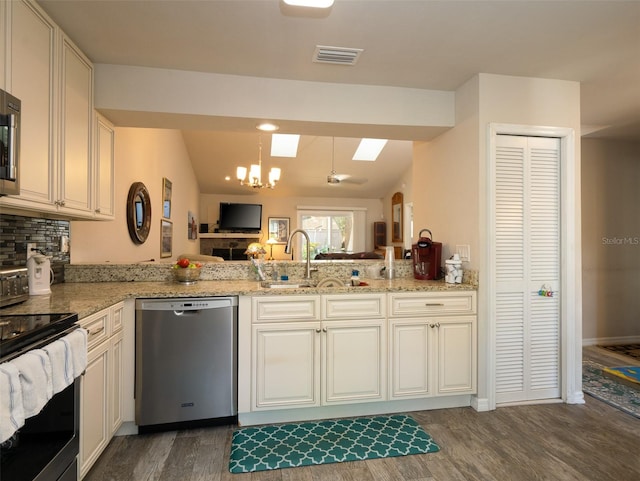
(229, 235)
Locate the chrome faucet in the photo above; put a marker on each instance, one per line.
(287, 249)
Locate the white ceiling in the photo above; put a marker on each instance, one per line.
(424, 44)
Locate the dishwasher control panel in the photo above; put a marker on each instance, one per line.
(186, 304)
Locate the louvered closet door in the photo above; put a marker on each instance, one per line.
(527, 257)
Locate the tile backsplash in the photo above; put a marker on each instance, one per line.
(16, 231)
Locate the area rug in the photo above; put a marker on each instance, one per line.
(630, 374)
(631, 350)
(322, 442)
(606, 389)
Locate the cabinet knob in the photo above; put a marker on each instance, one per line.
(324, 329)
(97, 211)
(318, 330)
(437, 324)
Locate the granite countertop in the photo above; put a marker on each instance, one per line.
(86, 298)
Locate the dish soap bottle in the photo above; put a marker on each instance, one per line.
(355, 278)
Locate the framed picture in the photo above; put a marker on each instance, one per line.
(166, 237)
(166, 198)
(192, 226)
(279, 229)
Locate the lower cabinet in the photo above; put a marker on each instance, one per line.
(100, 385)
(432, 357)
(433, 344)
(312, 362)
(337, 349)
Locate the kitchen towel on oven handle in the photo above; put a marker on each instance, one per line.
(35, 379)
(77, 347)
(11, 407)
(61, 366)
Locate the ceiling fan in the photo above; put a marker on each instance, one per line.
(334, 178)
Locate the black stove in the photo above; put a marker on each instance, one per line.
(21, 332)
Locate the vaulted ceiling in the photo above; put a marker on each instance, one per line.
(414, 44)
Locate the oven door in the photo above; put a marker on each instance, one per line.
(46, 447)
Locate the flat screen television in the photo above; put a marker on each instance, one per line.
(240, 217)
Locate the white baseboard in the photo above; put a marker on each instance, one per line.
(609, 341)
(575, 398)
(480, 404)
(126, 429)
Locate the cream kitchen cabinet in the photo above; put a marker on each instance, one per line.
(432, 344)
(287, 364)
(101, 385)
(303, 360)
(75, 161)
(104, 161)
(354, 352)
(54, 81)
(31, 75)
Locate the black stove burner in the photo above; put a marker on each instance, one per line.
(18, 331)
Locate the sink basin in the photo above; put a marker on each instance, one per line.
(285, 284)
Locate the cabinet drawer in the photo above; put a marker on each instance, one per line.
(283, 308)
(96, 325)
(353, 306)
(442, 303)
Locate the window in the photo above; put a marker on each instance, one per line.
(331, 230)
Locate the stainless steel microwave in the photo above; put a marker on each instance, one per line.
(9, 144)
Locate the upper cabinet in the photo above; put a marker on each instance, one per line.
(61, 172)
(30, 70)
(76, 121)
(104, 151)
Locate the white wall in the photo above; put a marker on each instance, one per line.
(286, 207)
(610, 239)
(457, 161)
(142, 155)
(445, 172)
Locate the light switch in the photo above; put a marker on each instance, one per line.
(464, 251)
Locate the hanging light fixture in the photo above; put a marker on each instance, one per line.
(255, 173)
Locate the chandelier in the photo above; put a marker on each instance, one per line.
(255, 173)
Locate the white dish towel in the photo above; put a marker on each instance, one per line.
(76, 343)
(11, 410)
(35, 380)
(61, 365)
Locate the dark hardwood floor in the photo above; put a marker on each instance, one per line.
(555, 442)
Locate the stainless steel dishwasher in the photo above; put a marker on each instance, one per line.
(186, 362)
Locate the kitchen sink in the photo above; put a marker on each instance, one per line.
(286, 284)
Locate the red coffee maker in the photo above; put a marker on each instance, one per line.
(427, 257)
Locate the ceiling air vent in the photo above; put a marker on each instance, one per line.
(336, 55)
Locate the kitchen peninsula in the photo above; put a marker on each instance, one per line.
(303, 353)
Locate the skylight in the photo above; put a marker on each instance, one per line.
(369, 149)
(284, 145)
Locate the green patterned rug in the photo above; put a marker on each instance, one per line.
(334, 441)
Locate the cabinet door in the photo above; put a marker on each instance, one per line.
(31, 77)
(286, 365)
(104, 169)
(94, 407)
(411, 358)
(456, 348)
(354, 361)
(76, 119)
(115, 383)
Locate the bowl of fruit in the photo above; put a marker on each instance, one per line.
(186, 272)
